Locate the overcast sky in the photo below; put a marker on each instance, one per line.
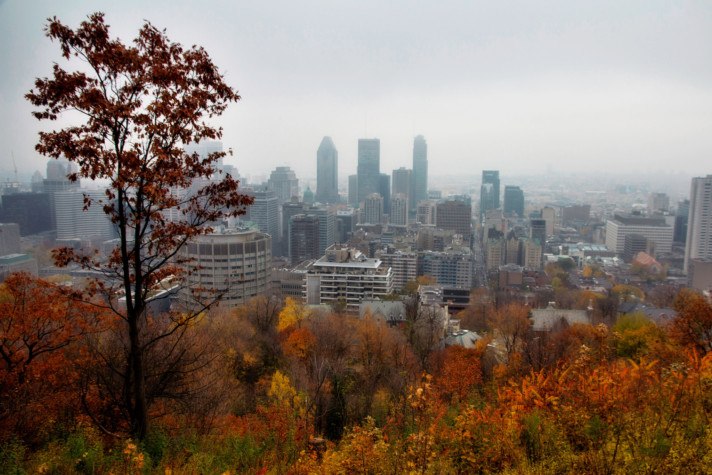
(518, 86)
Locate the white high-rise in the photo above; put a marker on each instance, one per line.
(699, 224)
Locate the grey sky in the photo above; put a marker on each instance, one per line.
(514, 85)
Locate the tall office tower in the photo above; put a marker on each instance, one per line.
(420, 171)
(514, 201)
(699, 222)
(658, 203)
(455, 215)
(680, 231)
(368, 168)
(384, 189)
(303, 238)
(489, 192)
(75, 222)
(399, 210)
(327, 225)
(373, 209)
(264, 212)
(353, 191)
(402, 182)
(327, 172)
(285, 184)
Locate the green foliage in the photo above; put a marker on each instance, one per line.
(12, 453)
(635, 335)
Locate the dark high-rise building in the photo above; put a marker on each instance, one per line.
(537, 231)
(455, 215)
(489, 192)
(327, 172)
(345, 221)
(32, 211)
(384, 189)
(303, 238)
(285, 184)
(420, 171)
(680, 232)
(514, 200)
(369, 167)
(289, 209)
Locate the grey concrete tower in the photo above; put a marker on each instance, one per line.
(420, 171)
(327, 172)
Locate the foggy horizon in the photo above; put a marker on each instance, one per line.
(601, 87)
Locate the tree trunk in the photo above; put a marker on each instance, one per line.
(139, 415)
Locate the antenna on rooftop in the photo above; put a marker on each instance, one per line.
(14, 165)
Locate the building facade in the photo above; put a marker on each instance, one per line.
(230, 265)
(655, 230)
(455, 215)
(344, 276)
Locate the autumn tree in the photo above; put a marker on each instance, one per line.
(134, 108)
(693, 323)
(39, 329)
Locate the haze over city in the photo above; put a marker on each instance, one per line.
(523, 87)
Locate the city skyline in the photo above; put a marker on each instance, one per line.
(491, 87)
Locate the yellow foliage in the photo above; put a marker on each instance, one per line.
(282, 393)
(291, 315)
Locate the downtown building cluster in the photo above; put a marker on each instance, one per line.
(385, 231)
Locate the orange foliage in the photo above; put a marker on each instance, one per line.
(461, 371)
(39, 360)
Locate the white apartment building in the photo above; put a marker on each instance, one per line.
(346, 275)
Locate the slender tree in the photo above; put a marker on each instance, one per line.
(134, 107)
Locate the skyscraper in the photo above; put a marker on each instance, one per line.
(285, 184)
(369, 167)
(403, 183)
(384, 189)
(353, 191)
(489, 192)
(327, 172)
(264, 212)
(513, 200)
(699, 222)
(420, 171)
